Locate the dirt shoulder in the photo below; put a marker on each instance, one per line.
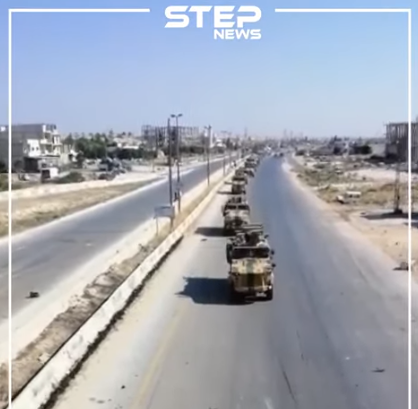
(32, 212)
(366, 203)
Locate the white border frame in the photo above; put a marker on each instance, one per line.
(11, 12)
(408, 11)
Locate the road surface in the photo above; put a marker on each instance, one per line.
(42, 259)
(333, 337)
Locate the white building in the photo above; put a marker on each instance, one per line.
(32, 144)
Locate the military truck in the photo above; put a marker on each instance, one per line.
(238, 187)
(252, 162)
(240, 175)
(233, 200)
(250, 264)
(250, 172)
(248, 233)
(239, 181)
(236, 215)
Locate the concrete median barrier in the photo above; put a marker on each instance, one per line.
(50, 376)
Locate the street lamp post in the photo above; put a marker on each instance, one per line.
(178, 190)
(209, 128)
(170, 175)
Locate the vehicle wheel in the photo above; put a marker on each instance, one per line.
(269, 294)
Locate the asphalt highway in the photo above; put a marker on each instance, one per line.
(334, 336)
(42, 259)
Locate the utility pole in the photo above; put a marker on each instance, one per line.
(209, 129)
(225, 152)
(397, 185)
(178, 190)
(157, 139)
(170, 175)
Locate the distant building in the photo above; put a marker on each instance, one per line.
(32, 145)
(396, 143)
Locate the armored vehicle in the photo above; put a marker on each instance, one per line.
(236, 215)
(238, 187)
(232, 201)
(251, 264)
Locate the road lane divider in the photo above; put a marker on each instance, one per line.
(119, 291)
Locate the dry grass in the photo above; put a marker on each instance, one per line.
(390, 234)
(376, 194)
(319, 177)
(32, 212)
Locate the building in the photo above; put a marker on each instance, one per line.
(32, 146)
(396, 143)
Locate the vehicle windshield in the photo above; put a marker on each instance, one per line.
(234, 206)
(250, 252)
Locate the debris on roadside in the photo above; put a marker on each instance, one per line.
(364, 194)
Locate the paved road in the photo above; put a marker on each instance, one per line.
(41, 260)
(333, 337)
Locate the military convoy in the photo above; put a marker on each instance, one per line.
(248, 252)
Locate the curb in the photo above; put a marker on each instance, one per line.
(43, 385)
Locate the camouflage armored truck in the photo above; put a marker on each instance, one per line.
(233, 200)
(236, 215)
(239, 181)
(250, 172)
(238, 187)
(248, 233)
(251, 266)
(251, 163)
(240, 175)
(239, 170)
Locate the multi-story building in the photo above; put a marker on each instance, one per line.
(397, 141)
(32, 145)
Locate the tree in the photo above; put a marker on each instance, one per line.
(91, 148)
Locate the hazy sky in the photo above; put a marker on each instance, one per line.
(321, 74)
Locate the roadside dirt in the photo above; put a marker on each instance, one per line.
(371, 212)
(36, 354)
(32, 212)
